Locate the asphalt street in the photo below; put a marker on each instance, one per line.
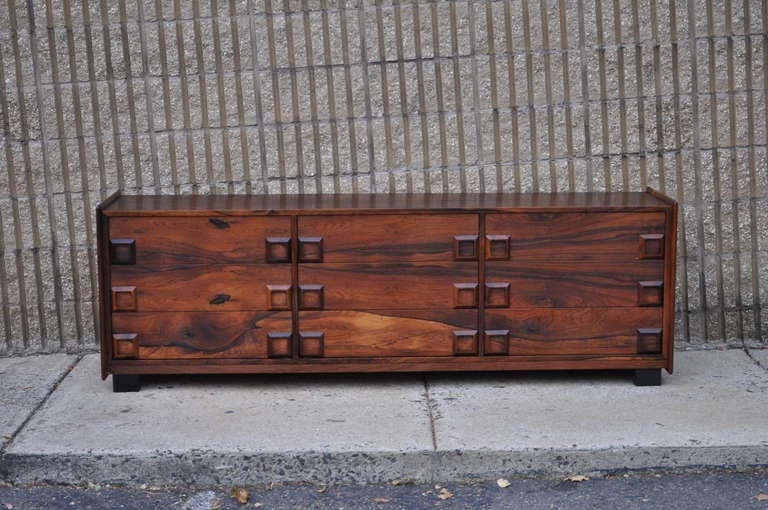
(699, 491)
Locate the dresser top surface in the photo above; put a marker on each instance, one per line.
(140, 205)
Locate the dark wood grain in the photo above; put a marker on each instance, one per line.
(668, 344)
(215, 287)
(199, 240)
(590, 235)
(391, 364)
(104, 318)
(564, 331)
(573, 283)
(183, 335)
(385, 277)
(392, 203)
(415, 286)
(352, 334)
(399, 238)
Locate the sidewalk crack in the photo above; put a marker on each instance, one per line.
(40, 405)
(752, 358)
(430, 411)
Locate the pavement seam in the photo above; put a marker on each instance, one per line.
(754, 360)
(40, 405)
(430, 413)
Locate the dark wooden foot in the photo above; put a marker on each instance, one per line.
(648, 377)
(122, 383)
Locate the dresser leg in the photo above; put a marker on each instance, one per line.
(648, 377)
(122, 383)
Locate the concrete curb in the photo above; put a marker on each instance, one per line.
(216, 468)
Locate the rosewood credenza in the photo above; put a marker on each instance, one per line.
(397, 282)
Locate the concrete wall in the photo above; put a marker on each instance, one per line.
(160, 96)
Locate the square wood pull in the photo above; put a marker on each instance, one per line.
(649, 340)
(125, 345)
(497, 247)
(496, 341)
(279, 297)
(310, 297)
(124, 299)
(464, 342)
(465, 295)
(122, 252)
(278, 249)
(497, 295)
(310, 249)
(465, 247)
(279, 344)
(311, 344)
(652, 246)
(650, 293)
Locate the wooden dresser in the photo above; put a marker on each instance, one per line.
(400, 282)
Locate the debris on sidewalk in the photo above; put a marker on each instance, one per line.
(576, 478)
(203, 501)
(240, 494)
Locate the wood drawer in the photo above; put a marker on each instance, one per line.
(350, 334)
(186, 335)
(416, 286)
(574, 331)
(215, 287)
(398, 238)
(201, 240)
(591, 235)
(577, 283)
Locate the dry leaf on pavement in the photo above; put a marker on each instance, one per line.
(503, 483)
(381, 500)
(445, 494)
(762, 497)
(240, 494)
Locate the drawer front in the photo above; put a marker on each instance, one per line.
(215, 287)
(185, 335)
(417, 286)
(388, 238)
(350, 334)
(548, 236)
(561, 284)
(542, 331)
(202, 240)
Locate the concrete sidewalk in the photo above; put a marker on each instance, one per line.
(371, 428)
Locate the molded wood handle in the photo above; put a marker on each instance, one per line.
(311, 344)
(496, 247)
(311, 297)
(465, 342)
(279, 297)
(465, 247)
(279, 344)
(497, 295)
(310, 249)
(465, 295)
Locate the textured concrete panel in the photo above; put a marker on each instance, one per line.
(384, 97)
